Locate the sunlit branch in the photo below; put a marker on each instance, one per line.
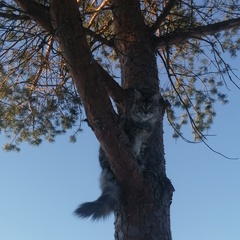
(163, 15)
(96, 13)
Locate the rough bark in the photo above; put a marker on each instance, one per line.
(135, 47)
(144, 214)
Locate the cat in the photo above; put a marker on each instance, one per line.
(138, 124)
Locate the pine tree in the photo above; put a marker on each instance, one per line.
(60, 58)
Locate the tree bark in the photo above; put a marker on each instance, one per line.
(144, 214)
(146, 196)
(135, 47)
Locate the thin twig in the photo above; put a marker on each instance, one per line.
(163, 15)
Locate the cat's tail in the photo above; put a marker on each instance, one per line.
(105, 204)
(100, 208)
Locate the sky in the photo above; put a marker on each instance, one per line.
(41, 186)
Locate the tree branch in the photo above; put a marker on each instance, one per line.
(99, 8)
(163, 15)
(115, 91)
(87, 75)
(37, 12)
(40, 14)
(197, 32)
(13, 16)
(98, 37)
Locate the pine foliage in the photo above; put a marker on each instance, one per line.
(38, 99)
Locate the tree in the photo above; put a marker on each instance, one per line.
(57, 59)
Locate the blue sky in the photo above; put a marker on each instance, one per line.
(41, 186)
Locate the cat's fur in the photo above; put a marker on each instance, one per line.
(109, 198)
(138, 124)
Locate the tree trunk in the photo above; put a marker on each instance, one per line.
(135, 47)
(145, 211)
(146, 195)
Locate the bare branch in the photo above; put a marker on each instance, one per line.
(197, 32)
(13, 16)
(98, 37)
(40, 14)
(163, 15)
(96, 13)
(44, 61)
(170, 70)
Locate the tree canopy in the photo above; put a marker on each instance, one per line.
(39, 100)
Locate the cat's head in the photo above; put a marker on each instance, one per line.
(145, 109)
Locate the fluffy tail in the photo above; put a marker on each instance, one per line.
(106, 203)
(100, 208)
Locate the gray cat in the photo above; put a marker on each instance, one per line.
(138, 124)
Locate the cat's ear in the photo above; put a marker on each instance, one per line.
(155, 98)
(137, 95)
